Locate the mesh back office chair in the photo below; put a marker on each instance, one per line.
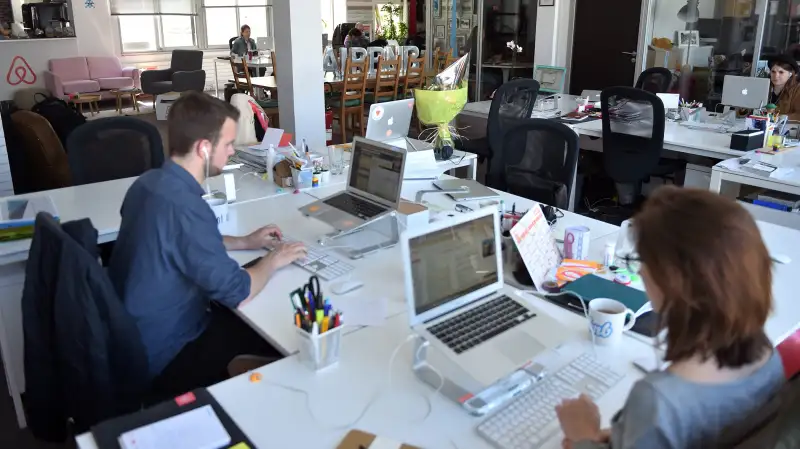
(113, 148)
(512, 101)
(538, 162)
(633, 137)
(655, 80)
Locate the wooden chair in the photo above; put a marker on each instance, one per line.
(387, 81)
(46, 166)
(414, 76)
(351, 101)
(244, 84)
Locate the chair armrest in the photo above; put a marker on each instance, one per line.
(133, 72)
(189, 80)
(53, 83)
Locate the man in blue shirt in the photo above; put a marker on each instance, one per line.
(170, 263)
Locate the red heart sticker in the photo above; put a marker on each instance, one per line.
(186, 398)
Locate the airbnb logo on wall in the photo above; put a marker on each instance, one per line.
(20, 72)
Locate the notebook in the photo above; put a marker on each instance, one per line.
(592, 286)
(196, 429)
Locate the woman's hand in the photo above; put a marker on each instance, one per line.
(580, 419)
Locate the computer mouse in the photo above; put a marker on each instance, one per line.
(781, 258)
(344, 287)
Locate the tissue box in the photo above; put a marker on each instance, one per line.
(747, 140)
(413, 215)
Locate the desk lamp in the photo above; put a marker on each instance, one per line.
(690, 12)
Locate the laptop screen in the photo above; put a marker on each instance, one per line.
(376, 170)
(452, 262)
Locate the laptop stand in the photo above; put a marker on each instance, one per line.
(372, 236)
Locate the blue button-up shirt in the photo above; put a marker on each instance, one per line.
(169, 261)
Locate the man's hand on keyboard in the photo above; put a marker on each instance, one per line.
(580, 419)
(264, 237)
(285, 253)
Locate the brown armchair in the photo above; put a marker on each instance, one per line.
(46, 165)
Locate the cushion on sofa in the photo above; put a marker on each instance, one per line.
(70, 69)
(116, 82)
(80, 86)
(103, 67)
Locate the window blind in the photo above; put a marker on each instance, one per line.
(153, 7)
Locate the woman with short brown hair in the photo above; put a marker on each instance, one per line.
(708, 275)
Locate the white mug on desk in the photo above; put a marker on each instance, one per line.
(607, 317)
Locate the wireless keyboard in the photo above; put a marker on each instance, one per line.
(320, 262)
(530, 419)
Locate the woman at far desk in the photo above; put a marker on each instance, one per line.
(785, 86)
(708, 275)
(243, 44)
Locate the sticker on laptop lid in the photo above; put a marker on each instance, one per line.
(186, 398)
(377, 113)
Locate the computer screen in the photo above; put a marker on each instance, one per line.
(448, 264)
(376, 170)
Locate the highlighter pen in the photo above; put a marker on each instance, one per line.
(319, 315)
(325, 324)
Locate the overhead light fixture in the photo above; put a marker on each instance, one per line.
(689, 13)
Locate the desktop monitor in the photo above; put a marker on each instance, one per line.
(745, 92)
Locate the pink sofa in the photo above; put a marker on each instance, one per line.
(93, 74)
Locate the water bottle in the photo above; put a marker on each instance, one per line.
(270, 160)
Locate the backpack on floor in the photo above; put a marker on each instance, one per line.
(63, 117)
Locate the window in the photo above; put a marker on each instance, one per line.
(161, 25)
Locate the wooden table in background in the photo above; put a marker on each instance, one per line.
(89, 99)
(120, 94)
(268, 82)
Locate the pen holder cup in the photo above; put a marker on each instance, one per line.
(301, 179)
(319, 351)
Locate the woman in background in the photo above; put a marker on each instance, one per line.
(784, 86)
(244, 43)
(708, 275)
(360, 27)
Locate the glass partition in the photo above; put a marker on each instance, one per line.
(709, 39)
(781, 33)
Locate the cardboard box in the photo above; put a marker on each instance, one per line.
(282, 173)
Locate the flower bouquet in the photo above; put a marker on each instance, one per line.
(441, 102)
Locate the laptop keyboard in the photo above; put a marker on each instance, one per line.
(469, 329)
(355, 206)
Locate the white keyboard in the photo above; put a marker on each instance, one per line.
(530, 419)
(715, 127)
(320, 262)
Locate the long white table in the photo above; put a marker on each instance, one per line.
(726, 177)
(676, 137)
(101, 202)
(273, 416)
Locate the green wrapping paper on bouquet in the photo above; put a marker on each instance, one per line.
(439, 108)
(441, 102)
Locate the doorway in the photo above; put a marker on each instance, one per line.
(604, 44)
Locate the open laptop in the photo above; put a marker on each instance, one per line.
(745, 91)
(390, 121)
(473, 190)
(457, 300)
(265, 43)
(373, 188)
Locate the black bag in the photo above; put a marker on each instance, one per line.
(63, 117)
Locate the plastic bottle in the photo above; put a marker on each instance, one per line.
(270, 160)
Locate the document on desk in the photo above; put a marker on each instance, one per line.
(361, 311)
(756, 165)
(196, 429)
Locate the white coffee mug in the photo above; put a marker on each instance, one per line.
(607, 318)
(218, 203)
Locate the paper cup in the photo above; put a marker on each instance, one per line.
(607, 318)
(218, 203)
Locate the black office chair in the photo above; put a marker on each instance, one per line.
(633, 137)
(538, 162)
(655, 80)
(113, 148)
(230, 42)
(512, 101)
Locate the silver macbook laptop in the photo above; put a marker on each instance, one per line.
(745, 91)
(373, 188)
(457, 300)
(473, 191)
(265, 43)
(390, 120)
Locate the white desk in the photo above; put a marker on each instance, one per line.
(726, 181)
(274, 417)
(380, 272)
(676, 137)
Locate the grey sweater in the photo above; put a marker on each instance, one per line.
(664, 411)
(239, 47)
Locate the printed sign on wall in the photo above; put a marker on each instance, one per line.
(20, 72)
